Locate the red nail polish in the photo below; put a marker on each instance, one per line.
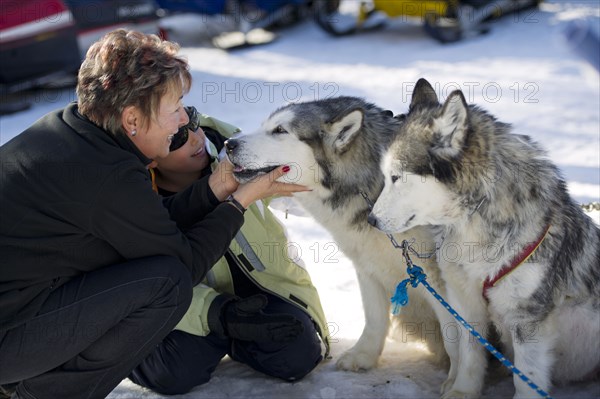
(286, 169)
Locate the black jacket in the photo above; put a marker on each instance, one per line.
(74, 198)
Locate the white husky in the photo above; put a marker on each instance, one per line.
(334, 146)
(500, 201)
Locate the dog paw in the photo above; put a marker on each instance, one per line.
(356, 361)
(460, 395)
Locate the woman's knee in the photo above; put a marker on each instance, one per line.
(294, 360)
(176, 279)
(181, 277)
(178, 364)
(305, 354)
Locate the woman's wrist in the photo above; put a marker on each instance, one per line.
(236, 204)
(242, 197)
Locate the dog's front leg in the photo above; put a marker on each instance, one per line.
(365, 353)
(466, 376)
(452, 346)
(533, 343)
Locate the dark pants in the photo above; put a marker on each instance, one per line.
(183, 361)
(93, 330)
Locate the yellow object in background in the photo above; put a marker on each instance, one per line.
(398, 8)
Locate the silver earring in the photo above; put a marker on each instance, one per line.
(133, 132)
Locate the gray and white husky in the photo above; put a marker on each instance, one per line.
(334, 146)
(498, 198)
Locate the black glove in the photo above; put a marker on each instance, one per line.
(244, 319)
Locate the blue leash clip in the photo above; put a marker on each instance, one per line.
(400, 297)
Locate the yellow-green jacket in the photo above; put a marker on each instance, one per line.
(260, 250)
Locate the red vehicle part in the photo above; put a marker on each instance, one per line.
(38, 41)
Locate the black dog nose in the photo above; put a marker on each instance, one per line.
(372, 220)
(231, 145)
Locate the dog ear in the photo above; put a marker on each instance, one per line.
(452, 125)
(450, 132)
(423, 95)
(345, 129)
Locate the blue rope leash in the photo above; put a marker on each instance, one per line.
(416, 276)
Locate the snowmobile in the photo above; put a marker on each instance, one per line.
(445, 20)
(245, 22)
(38, 45)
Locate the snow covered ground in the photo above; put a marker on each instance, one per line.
(523, 72)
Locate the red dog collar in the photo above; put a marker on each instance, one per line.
(516, 262)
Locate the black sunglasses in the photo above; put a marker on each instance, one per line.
(181, 137)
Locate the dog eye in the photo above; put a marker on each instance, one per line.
(279, 130)
(394, 178)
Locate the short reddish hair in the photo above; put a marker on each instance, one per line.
(127, 68)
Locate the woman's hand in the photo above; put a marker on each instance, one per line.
(265, 186)
(221, 181)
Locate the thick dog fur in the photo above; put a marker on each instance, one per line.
(495, 192)
(334, 146)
